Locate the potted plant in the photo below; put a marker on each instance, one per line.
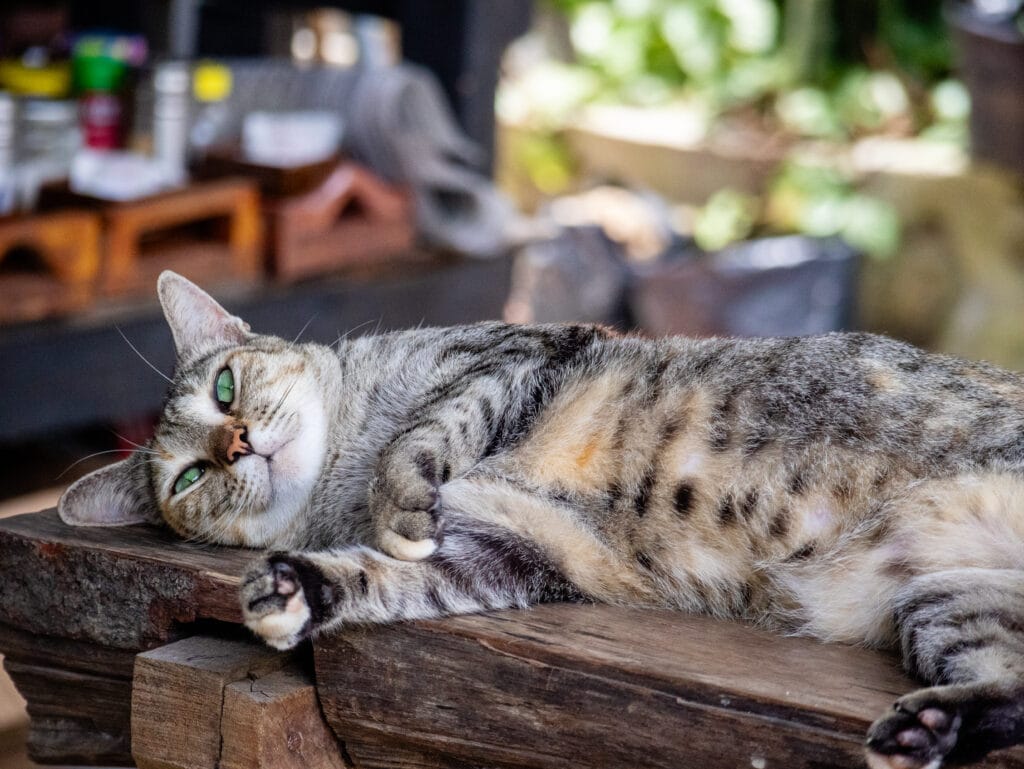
(782, 264)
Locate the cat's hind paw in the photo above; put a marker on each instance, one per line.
(274, 604)
(917, 734)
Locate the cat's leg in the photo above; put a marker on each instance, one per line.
(483, 563)
(287, 597)
(487, 396)
(448, 438)
(961, 630)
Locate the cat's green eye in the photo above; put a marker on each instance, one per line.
(225, 387)
(188, 477)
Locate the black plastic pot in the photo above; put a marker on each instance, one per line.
(990, 54)
(783, 286)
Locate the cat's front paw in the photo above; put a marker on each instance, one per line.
(274, 599)
(409, 526)
(918, 733)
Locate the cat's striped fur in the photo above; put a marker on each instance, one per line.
(847, 486)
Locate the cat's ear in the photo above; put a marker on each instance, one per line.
(197, 322)
(115, 495)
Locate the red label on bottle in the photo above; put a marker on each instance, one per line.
(101, 121)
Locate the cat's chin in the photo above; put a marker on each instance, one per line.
(290, 465)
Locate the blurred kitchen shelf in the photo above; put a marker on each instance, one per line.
(67, 246)
(208, 230)
(78, 371)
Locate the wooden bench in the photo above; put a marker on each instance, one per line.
(126, 645)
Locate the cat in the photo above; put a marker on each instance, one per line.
(847, 486)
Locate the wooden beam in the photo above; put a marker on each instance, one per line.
(599, 686)
(556, 686)
(78, 697)
(125, 587)
(274, 722)
(178, 698)
(77, 604)
(213, 703)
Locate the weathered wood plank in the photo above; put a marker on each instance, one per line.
(558, 686)
(378, 754)
(35, 649)
(75, 717)
(76, 604)
(75, 742)
(125, 588)
(274, 722)
(597, 686)
(178, 698)
(78, 697)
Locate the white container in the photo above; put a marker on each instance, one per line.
(289, 139)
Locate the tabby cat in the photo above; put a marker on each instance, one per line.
(847, 487)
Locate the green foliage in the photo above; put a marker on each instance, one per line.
(728, 216)
(820, 201)
(915, 35)
(546, 161)
(820, 68)
(805, 199)
(708, 44)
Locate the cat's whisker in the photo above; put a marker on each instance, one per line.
(221, 525)
(130, 442)
(303, 329)
(90, 456)
(143, 357)
(277, 407)
(218, 531)
(342, 337)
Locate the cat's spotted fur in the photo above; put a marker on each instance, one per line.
(848, 487)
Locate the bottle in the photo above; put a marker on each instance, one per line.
(7, 122)
(99, 80)
(170, 118)
(8, 189)
(211, 86)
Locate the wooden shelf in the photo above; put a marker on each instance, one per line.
(68, 246)
(209, 231)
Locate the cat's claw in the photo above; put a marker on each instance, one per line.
(915, 735)
(274, 605)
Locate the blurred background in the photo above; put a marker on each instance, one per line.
(702, 167)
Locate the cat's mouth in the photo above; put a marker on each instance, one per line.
(270, 464)
(275, 468)
(279, 449)
(269, 452)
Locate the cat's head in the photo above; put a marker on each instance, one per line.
(241, 441)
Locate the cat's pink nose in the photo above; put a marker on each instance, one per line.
(237, 444)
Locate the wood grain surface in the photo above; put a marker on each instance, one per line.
(556, 686)
(77, 604)
(274, 722)
(178, 697)
(79, 697)
(598, 686)
(123, 587)
(214, 703)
